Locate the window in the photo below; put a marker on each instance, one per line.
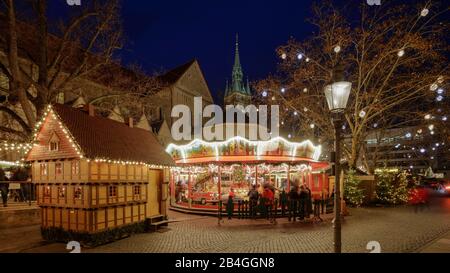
(112, 191)
(75, 167)
(58, 168)
(47, 191)
(43, 168)
(78, 193)
(61, 192)
(54, 146)
(137, 190)
(54, 143)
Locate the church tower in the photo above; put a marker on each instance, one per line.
(238, 92)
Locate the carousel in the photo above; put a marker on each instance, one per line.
(206, 172)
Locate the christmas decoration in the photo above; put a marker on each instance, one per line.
(354, 195)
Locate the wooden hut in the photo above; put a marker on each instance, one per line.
(95, 175)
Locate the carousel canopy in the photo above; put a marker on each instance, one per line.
(238, 149)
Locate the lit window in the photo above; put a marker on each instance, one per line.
(47, 191)
(43, 168)
(78, 193)
(58, 168)
(75, 167)
(61, 192)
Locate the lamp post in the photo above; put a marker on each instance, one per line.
(337, 95)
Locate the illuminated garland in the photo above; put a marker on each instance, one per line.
(261, 145)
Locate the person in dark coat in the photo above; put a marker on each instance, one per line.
(303, 197)
(293, 201)
(253, 198)
(309, 209)
(283, 201)
(4, 187)
(230, 205)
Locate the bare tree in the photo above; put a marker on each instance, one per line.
(391, 54)
(45, 58)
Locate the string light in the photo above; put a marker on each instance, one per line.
(283, 56)
(424, 12)
(337, 49)
(305, 90)
(362, 114)
(299, 56)
(264, 93)
(401, 52)
(433, 87)
(261, 146)
(427, 116)
(283, 90)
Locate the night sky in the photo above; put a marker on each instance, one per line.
(164, 34)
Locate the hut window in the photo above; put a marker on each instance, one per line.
(112, 191)
(137, 190)
(54, 142)
(58, 168)
(78, 193)
(43, 168)
(54, 146)
(47, 191)
(61, 192)
(75, 167)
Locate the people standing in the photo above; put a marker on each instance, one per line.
(230, 204)
(4, 187)
(293, 201)
(309, 210)
(268, 196)
(303, 196)
(283, 201)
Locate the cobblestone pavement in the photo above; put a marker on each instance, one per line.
(396, 229)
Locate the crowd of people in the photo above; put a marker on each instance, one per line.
(299, 203)
(15, 175)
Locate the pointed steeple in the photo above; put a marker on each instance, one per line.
(237, 74)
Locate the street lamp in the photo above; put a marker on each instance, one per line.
(337, 95)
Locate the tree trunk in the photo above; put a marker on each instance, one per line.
(13, 58)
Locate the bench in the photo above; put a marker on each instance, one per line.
(155, 225)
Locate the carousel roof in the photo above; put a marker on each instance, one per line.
(239, 149)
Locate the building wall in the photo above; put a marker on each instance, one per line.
(91, 196)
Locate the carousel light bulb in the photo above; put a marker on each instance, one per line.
(305, 109)
(312, 126)
(295, 113)
(305, 90)
(419, 131)
(440, 79)
(401, 52)
(424, 12)
(362, 114)
(289, 136)
(307, 60)
(440, 91)
(264, 93)
(422, 150)
(427, 116)
(431, 127)
(273, 98)
(408, 135)
(299, 56)
(433, 87)
(375, 125)
(337, 49)
(283, 56)
(439, 98)
(283, 90)
(444, 118)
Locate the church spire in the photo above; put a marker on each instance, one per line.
(237, 74)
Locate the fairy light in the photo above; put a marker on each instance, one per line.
(261, 146)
